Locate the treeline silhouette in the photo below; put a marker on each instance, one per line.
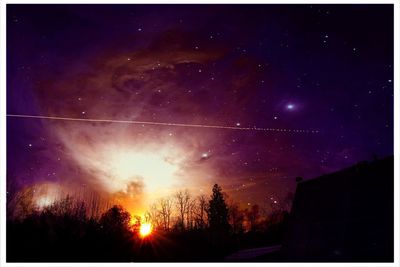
(185, 228)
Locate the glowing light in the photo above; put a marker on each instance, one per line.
(290, 106)
(156, 170)
(45, 194)
(133, 170)
(43, 202)
(145, 230)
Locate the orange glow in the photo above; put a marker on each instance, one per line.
(145, 230)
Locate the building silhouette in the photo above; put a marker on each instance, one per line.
(344, 216)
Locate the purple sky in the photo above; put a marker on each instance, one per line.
(318, 67)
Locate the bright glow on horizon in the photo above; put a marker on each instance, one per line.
(155, 170)
(43, 202)
(133, 172)
(45, 194)
(145, 230)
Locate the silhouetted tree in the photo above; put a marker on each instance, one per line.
(64, 206)
(218, 211)
(166, 212)
(200, 212)
(190, 213)
(116, 220)
(182, 204)
(155, 216)
(253, 215)
(116, 236)
(136, 222)
(236, 218)
(21, 204)
(80, 210)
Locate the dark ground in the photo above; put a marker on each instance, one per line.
(346, 216)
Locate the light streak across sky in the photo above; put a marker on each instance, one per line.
(164, 124)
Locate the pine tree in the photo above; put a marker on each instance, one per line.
(218, 211)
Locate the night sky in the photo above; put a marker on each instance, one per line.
(311, 67)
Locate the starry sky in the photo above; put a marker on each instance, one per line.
(313, 67)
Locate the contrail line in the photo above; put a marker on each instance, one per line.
(163, 124)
